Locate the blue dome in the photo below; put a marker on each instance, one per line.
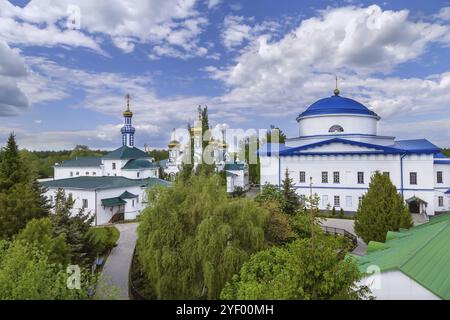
(336, 105)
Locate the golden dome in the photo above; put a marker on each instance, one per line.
(128, 113)
(173, 144)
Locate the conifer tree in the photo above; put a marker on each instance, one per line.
(75, 227)
(12, 169)
(382, 209)
(291, 198)
(21, 196)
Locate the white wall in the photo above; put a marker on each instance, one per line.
(348, 166)
(104, 214)
(394, 285)
(71, 172)
(314, 125)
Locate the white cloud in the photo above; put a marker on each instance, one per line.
(12, 69)
(444, 13)
(235, 31)
(213, 3)
(126, 22)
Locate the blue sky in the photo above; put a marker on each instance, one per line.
(65, 68)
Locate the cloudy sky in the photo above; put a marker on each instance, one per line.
(66, 65)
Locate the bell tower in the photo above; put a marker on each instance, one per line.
(127, 129)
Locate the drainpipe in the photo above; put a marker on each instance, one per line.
(279, 171)
(95, 207)
(401, 174)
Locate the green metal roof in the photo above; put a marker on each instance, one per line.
(81, 162)
(127, 195)
(234, 166)
(99, 183)
(139, 164)
(422, 253)
(125, 152)
(111, 202)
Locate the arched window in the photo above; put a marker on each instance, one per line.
(336, 128)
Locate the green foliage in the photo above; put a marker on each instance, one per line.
(297, 271)
(446, 152)
(21, 197)
(238, 192)
(194, 238)
(291, 203)
(42, 162)
(305, 223)
(102, 239)
(341, 213)
(333, 211)
(75, 227)
(26, 272)
(382, 209)
(277, 228)
(270, 193)
(39, 232)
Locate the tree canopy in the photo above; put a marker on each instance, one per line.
(382, 209)
(297, 271)
(193, 238)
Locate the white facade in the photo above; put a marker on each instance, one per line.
(111, 186)
(395, 285)
(237, 177)
(336, 155)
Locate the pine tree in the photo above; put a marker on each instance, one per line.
(382, 209)
(12, 169)
(291, 198)
(75, 227)
(21, 196)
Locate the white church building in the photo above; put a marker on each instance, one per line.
(339, 148)
(112, 187)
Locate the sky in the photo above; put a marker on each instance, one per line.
(66, 66)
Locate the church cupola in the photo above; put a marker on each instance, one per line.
(127, 129)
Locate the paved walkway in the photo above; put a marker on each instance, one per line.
(117, 266)
(347, 225)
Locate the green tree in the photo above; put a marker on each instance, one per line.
(21, 196)
(39, 232)
(193, 238)
(26, 272)
(277, 229)
(291, 198)
(75, 227)
(12, 170)
(297, 271)
(382, 209)
(270, 193)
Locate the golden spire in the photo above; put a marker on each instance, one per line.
(128, 113)
(336, 91)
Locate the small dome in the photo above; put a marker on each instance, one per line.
(336, 105)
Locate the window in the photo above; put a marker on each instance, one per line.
(138, 174)
(324, 177)
(440, 201)
(94, 173)
(302, 176)
(336, 128)
(324, 201)
(87, 173)
(114, 166)
(71, 173)
(359, 201)
(360, 177)
(439, 177)
(132, 203)
(413, 178)
(137, 199)
(337, 201)
(348, 201)
(77, 173)
(336, 177)
(85, 203)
